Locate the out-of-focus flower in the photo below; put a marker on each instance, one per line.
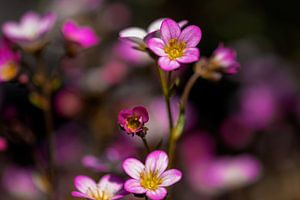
(68, 102)
(21, 183)
(138, 36)
(83, 37)
(225, 174)
(225, 58)
(133, 120)
(151, 178)
(30, 31)
(3, 144)
(9, 62)
(222, 61)
(175, 47)
(123, 50)
(109, 187)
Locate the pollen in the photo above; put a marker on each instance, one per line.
(133, 123)
(150, 180)
(174, 49)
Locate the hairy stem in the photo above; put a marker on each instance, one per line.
(146, 144)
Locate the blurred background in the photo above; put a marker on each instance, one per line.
(242, 136)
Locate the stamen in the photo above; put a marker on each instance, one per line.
(150, 180)
(174, 48)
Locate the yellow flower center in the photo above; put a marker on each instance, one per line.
(9, 71)
(133, 123)
(150, 180)
(174, 49)
(98, 194)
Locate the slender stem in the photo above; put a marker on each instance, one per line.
(165, 88)
(146, 144)
(51, 146)
(188, 89)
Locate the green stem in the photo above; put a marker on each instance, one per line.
(146, 144)
(165, 89)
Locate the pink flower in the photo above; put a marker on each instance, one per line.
(151, 178)
(133, 121)
(175, 47)
(226, 59)
(9, 62)
(83, 36)
(108, 188)
(31, 29)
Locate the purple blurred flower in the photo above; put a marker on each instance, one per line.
(108, 187)
(225, 58)
(21, 183)
(225, 173)
(133, 121)
(83, 36)
(151, 178)
(31, 29)
(9, 62)
(3, 144)
(175, 47)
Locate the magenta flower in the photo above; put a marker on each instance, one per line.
(175, 47)
(226, 59)
(151, 178)
(9, 62)
(31, 29)
(83, 36)
(133, 121)
(108, 188)
(3, 144)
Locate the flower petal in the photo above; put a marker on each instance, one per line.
(169, 29)
(84, 183)
(191, 35)
(80, 195)
(190, 55)
(133, 32)
(133, 167)
(157, 161)
(134, 186)
(155, 25)
(170, 177)
(157, 46)
(158, 194)
(110, 183)
(141, 111)
(168, 65)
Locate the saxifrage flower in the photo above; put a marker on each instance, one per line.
(151, 178)
(175, 47)
(133, 120)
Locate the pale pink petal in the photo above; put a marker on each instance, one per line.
(170, 177)
(158, 194)
(168, 65)
(169, 29)
(183, 23)
(110, 183)
(157, 161)
(133, 167)
(189, 55)
(133, 32)
(80, 195)
(157, 46)
(155, 25)
(134, 186)
(191, 35)
(84, 183)
(47, 22)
